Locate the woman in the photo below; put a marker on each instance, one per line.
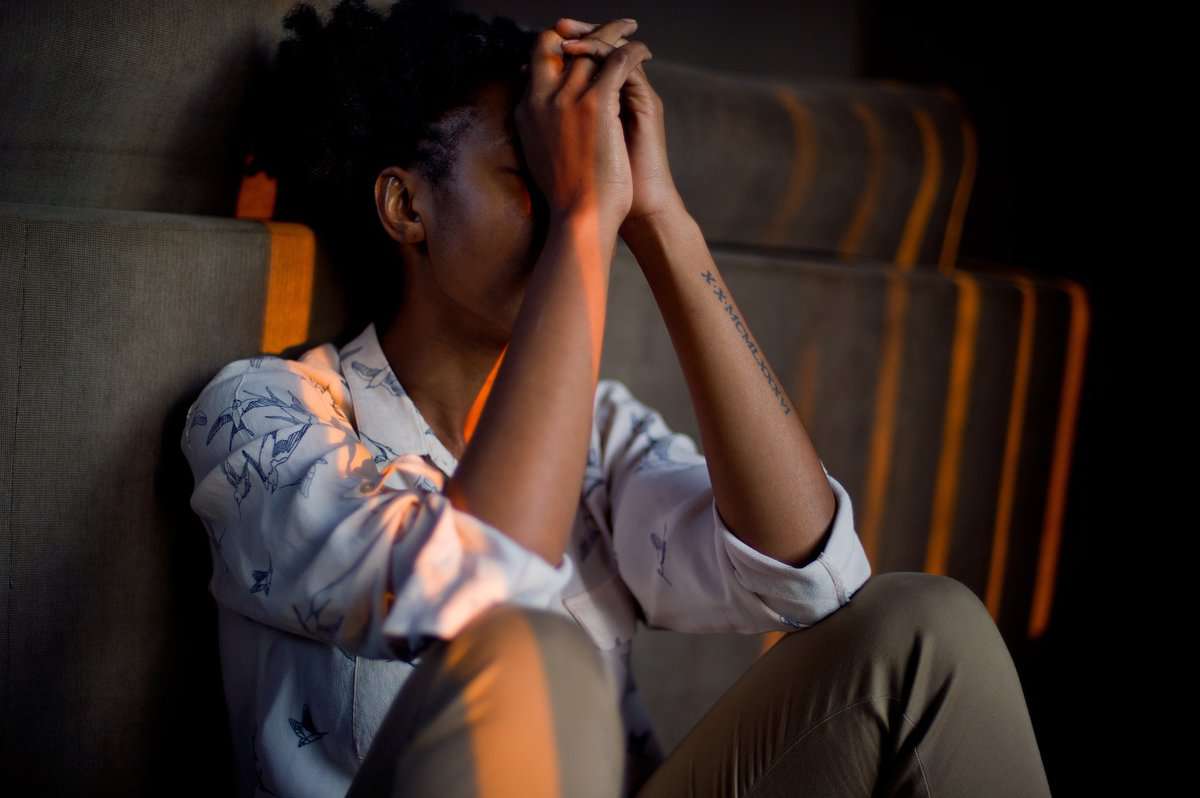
(416, 596)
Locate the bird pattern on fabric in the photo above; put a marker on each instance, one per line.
(660, 543)
(314, 552)
(262, 579)
(305, 729)
(378, 377)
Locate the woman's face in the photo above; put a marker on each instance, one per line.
(484, 227)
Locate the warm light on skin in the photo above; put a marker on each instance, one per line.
(481, 399)
(594, 275)
(467, 248)
(484, 259)
(585, 233)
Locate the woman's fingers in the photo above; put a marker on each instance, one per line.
(545, 66)
(548, 61)
(609, 32)
(592, 50)
(617, 66)
(584, 62)
(590, 46)
(579, 74)
(569, 28)
(582, 70)
(580, 47)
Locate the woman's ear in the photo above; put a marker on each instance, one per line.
(394, 192)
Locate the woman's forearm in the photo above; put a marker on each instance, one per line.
(522, 469)
(769, 483)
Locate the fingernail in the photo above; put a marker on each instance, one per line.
(629, 19)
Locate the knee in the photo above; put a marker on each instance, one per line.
(929, 605)
(507, 634)
(935, 601)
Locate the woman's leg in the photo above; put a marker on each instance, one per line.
(518, 703)
(908, 690)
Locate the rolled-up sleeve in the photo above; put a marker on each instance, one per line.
(313, 534)
(802, 596)
(687, 569)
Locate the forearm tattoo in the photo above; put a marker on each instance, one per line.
(724, 299)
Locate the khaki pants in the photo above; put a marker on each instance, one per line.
(908, 690)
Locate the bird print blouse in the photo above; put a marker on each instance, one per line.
(337, 558)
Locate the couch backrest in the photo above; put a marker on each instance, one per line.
(138, 106)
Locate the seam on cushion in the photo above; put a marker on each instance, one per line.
(750, 792)
(12, 493)
(164, 225)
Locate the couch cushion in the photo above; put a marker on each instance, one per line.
(111, 323)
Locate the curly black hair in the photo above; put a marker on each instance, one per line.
(346, 98)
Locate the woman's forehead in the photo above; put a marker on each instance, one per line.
(500, 135)
(497, 107)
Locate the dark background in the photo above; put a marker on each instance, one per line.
(1054, 100)
(1027, 81)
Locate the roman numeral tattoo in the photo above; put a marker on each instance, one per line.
(723, 298)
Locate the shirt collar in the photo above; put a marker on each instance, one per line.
(386, 416)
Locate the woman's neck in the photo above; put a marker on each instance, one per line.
(443, 369)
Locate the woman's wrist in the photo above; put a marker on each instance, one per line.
(588, 223)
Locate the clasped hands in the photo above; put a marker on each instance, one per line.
(654, 192)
